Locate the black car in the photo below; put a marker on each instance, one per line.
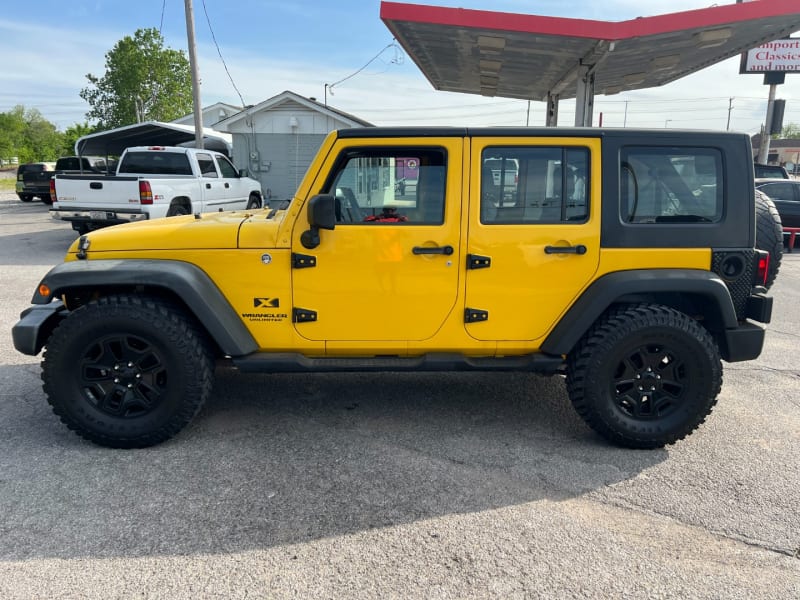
(785, 193)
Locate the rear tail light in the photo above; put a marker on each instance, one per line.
(145, 193)
(762, 266)
(53, 190)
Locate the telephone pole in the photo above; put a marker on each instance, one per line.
(198, 108)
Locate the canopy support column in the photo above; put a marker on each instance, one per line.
(551, 120)
(584, 96)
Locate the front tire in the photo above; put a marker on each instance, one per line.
(127, 372)
(644, 376)
(253, 202)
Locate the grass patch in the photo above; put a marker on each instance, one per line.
(7, 184)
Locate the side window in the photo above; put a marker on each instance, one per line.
(778, 191)
(226, 168)
(534, 185)
(671, 184)
(206, 164)
(391, 186)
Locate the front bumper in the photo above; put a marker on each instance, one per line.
(35, 325)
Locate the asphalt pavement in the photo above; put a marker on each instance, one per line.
(395, 485)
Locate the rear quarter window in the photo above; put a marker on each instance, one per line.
(671, 185)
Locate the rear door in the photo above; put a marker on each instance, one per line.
(236, 189)
(215, 194)
(534, 243)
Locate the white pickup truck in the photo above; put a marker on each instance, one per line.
(153, 182)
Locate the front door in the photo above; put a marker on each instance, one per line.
(389, 270)
(534, 233)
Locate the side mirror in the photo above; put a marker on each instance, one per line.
(244, 173)
(321, 215)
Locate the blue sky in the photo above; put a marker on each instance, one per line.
(274, 45)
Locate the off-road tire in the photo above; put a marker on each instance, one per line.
(769, 234)
(644, 376)
(127, 371)
(253, 202)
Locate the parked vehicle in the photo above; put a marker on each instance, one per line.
(785, 193)
(153, 182)
(33, 179)
(770, 171)
(635, 293)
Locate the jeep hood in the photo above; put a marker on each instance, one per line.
(207, 231)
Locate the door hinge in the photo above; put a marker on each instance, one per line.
(474, 315)
(303, 261)
(303, 315)
(476, 261)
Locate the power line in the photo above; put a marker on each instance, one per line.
(398, 59)
(163, 8)
(213, 37)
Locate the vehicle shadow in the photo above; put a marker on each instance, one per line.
(281, 459)
(35, 247)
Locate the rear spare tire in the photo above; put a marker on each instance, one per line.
(769, 234)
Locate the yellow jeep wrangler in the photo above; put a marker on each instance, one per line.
(624, 259)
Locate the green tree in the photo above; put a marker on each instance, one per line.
(789, 132)
(143, 81)
(72, 134)
(26, 134)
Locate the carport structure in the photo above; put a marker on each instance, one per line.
(533, 57)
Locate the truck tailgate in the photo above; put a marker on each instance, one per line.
(89, 191)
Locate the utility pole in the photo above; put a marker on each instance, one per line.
(198, 108)
(730, 108)
(763, 151)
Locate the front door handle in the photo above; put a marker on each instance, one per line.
(447, 250)
(208, 186)
(579, 249)
(227, 185)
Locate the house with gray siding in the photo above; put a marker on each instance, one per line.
(277, 139)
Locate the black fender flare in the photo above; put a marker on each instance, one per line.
(187, 281)
(625, 286)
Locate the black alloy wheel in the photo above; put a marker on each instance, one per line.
(644, 376)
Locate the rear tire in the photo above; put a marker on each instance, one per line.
(769, 234)
(25, 197)
(177, 210)
(46, 199)
(644, 376)
(127, 372)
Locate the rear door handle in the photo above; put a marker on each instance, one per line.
(227, 185)
(447, 250)
(579, 249)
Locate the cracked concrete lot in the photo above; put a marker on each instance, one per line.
(395, 485)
